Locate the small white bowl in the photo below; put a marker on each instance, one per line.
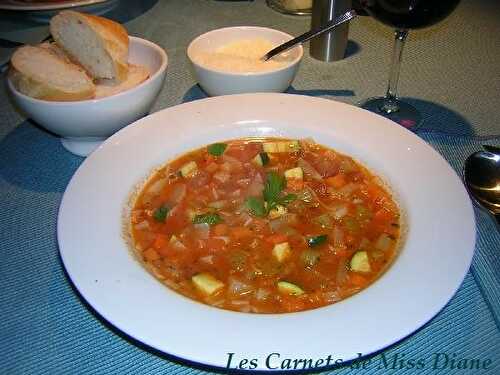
(218, 82)
(83, 125)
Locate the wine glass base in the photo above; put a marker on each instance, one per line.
(406, 115)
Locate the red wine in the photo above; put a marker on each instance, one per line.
(409, 14)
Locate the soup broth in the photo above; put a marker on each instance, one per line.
(265, 225)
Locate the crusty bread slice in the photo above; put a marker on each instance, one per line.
(40, 73)
(54, 48)
(98, 44)
(108, 87)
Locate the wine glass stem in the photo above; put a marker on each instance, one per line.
(390, 103)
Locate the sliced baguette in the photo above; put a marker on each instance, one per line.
(107, 87)
(98, 44)
(40, 73)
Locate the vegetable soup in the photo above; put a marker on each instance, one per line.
(265, 225)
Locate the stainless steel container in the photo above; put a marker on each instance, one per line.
(295, 7)
(329, 46)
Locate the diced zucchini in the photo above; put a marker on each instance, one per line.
(360, 262)
(188, 169)
(294, 173)
(277, 212)
(261, 159)
(281, 251)
(206, 283)
(281, 146)
(288, 288)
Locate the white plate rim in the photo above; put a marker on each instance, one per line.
(19, 5)
(457, 247)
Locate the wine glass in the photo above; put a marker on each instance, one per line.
(402, 15)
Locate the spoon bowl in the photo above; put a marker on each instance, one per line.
(482, 179)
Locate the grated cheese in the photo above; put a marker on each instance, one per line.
(243, 56)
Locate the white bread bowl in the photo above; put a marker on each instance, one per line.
(83, 125)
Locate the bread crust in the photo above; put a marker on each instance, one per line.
(113, 36)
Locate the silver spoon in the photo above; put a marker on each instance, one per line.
(349, 15)
(482, 178)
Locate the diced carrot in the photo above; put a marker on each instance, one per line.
(220, 229)
(295, 184)
(160, 241)
(277, 238)
(209, 158)
(240, 232)
(151, 254)
(165, 251)
(341, 252)
(356, 279)
(336, 181)
(212, 167)
(383, 215)
(292, 303)
(215, 244)
(349, 239)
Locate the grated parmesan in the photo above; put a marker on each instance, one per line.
(242, 56)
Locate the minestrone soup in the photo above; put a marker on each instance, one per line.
(265, 225)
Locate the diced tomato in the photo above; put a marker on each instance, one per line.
(383, 215)
(161, 240)
(295, 184)
(151, 255)
(243, 152)
(277, 238)
(357, 279)
(176, 219)
(215, 244)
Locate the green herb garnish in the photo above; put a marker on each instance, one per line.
(210, 219)
(272, 196)
(160, 214)
(289, 198)
(273, 188)
(317, 240)
(217, 149)
(256, 206)
(264, 157)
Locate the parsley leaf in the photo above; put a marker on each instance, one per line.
(289, 198)
(256, 206)
(210, 219)
(216, 149)
(272, 189)
(317, 240)
(160, 214)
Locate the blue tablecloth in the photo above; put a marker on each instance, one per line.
(45, 327)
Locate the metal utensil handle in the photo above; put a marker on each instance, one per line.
(311, 34)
